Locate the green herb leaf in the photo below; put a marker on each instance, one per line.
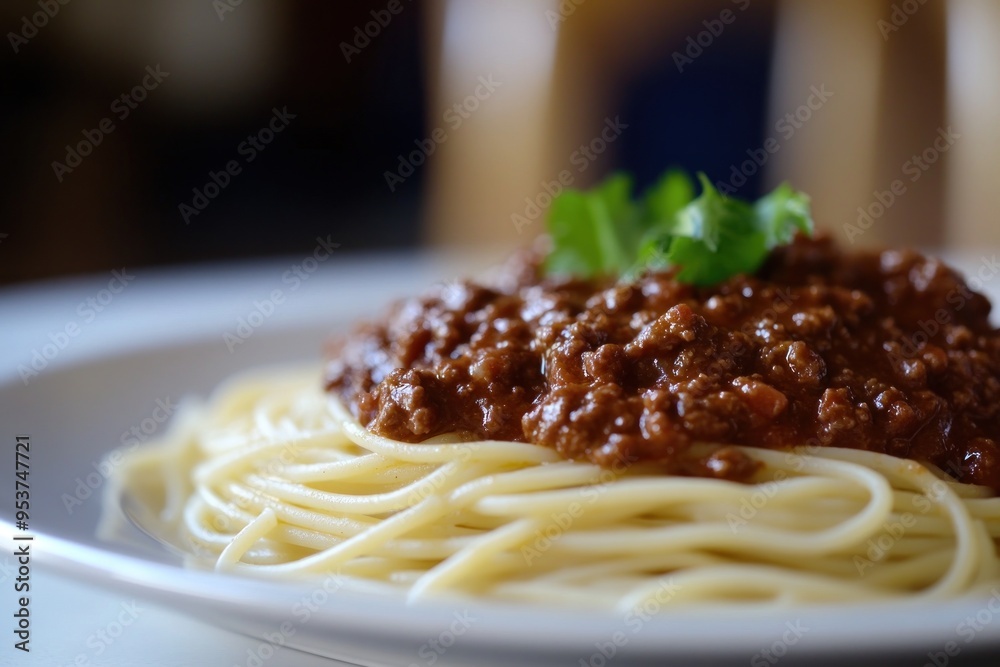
(709, 238)
(594, 232)
(663, 201)
(781, 213)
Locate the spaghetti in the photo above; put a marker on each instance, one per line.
(274, 477)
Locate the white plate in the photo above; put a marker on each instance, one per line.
(162, 337)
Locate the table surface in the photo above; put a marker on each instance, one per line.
(74, 624)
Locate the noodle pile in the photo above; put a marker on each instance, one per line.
(273, 477)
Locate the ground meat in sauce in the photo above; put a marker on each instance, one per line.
(889, 352)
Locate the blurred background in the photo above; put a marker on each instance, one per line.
(186, 131)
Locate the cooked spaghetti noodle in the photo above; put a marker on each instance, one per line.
(273, 477)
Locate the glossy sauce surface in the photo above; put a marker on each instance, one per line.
(888, 352)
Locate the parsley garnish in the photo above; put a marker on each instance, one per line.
(710, 238)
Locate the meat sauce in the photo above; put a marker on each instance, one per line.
(883, 351)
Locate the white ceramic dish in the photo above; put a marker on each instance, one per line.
(162, 337)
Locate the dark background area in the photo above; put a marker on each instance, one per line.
(324, 173)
